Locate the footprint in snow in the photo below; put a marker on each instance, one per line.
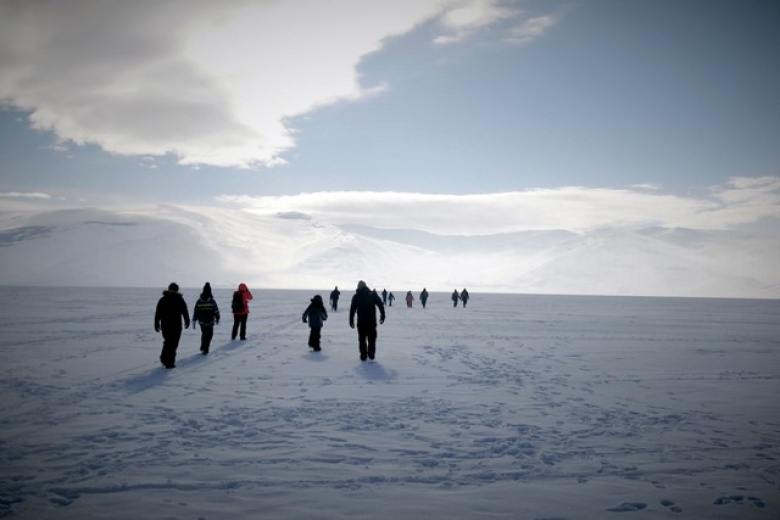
(671, 506)
(739, 499)
(628, 506)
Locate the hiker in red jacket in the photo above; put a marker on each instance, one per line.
(240, 308)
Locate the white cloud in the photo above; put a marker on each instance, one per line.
(212, 83)
(463, 20)
(533, 28)
(742, 201)
(25, 195)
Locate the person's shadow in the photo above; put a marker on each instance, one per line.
(373, 371)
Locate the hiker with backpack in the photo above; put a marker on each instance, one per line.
(205, 313)
(240, 308)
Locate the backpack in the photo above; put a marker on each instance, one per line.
(238, 302)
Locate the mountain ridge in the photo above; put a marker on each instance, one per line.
(151, 246)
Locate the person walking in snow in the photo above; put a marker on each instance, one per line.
(384, 296)
(205, 314)
(409, 299)
(334, 299)
(464, 297)
(315, 314)
(455, 297)
(424, 297)
(364, 304)
(171, 308)
(240, 308)
(390, 299)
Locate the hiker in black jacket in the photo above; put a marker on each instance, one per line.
(171, 308)
(364, 304)
(315, 315)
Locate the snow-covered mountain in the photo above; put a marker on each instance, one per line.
(153, 246)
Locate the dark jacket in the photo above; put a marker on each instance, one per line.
(315, 313)
(364, 304)
(171, 308)
(206, 311)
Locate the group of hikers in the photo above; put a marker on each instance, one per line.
(172, 310)
(389, 298)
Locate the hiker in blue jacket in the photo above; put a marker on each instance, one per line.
(205, 313)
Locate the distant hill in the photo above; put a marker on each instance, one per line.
(153, 246)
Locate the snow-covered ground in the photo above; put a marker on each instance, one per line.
(518, 406)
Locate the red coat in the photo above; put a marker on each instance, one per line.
(244, 290)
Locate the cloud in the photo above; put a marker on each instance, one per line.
(211, 82)
(25, 195)
(741, 201)
(472, 16)
(463, 20)
(532, 28)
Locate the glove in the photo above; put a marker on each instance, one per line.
(351, 325)
(156, 329)
(303, 320)
(187, 325)
(381, 321)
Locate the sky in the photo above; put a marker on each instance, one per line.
(448, 116)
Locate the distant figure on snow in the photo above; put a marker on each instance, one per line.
(364, 304)
(334, 299)
(315, 314)
(390, 299)
(205, 313)
(171, 308)
(424, 297)
(409, 299)
(384, 296)
(464, 296)
(240, 308)
(455, 297)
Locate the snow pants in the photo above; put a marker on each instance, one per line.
(171, 337)
(206, 333)
(314, 338)
(367, 340)
(239, 326)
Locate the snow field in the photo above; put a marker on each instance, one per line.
(518, 406)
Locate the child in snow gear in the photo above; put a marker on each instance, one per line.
(240, 309)
(171, 308)
(424, 297)
(315, 314)
(206, 313)
(364, 304)
(334, 299)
